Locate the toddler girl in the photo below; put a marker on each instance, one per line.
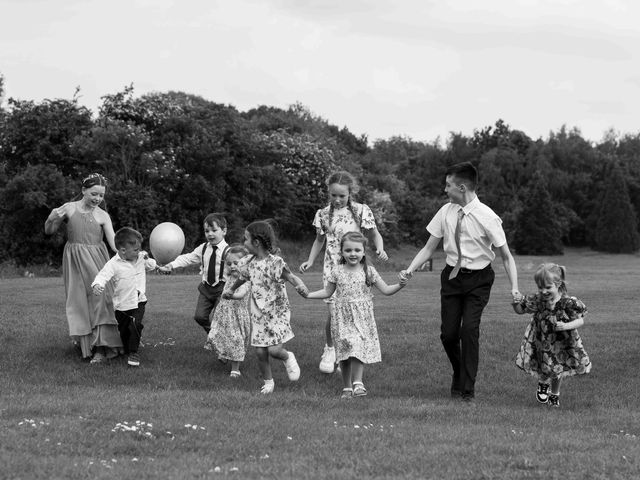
(353, 327)
(552, 348)
(230, 325)
(342, 215)
(269, 307)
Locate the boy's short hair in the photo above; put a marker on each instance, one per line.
(127, 236)
(466, 172)
(216, 218)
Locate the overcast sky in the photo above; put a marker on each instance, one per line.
(416, 68)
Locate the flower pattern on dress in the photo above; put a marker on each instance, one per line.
(548, 354)
(230, 324)
(343, 221)
(269, 306)
(353, 325)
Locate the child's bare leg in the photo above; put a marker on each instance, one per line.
(357, 370)
(263, 362)
(278, 352)
(345, 367)
(327, 329)
(235, 367)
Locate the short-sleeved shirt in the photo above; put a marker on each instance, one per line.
(481, 229)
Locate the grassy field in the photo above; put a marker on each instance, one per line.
(63, 418)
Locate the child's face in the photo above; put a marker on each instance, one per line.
(248, 243)
(130, 251)
(214, 233)
(232, 262)
(93, 196)
(454, 189)
(352, 252)
(338, 195)
(549, 291)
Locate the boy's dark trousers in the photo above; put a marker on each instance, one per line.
(130, 327)
(207, 302)
(462, 300)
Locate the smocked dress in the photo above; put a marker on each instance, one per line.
(230, 325)
(269, 307)
(333, 225)
(91, 318)
(545, 353)
(353, 327)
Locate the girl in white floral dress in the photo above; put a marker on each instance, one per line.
(230, 323)
(552, 348)
(342, 215)
(354, 327)
(269, 307)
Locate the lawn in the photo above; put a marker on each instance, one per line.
(180, 416)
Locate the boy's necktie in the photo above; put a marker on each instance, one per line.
(211, 273)
(456, 269)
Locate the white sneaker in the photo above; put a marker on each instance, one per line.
(293, 370)
(268, 387)
(328, 360)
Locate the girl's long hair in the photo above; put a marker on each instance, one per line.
(359, 238)
(264, 232)
(551, 272)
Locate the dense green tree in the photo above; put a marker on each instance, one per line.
(617, 226)
(538, 230)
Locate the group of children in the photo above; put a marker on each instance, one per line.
(243, 299)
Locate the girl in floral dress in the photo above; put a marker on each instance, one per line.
(354, 327)
(269, 307)
(230, 325)
(552, 348)
(342, 215)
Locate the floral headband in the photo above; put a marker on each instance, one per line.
(94, 179)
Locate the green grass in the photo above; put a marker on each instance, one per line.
(63, 418)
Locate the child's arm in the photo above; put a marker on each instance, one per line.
(315, 250)
(240, 292)
(422, 256)
(184, 260)
(55, 218)
(102, 278)
(326, 292)
(378, 243)
(577, 323)
(390, 289)
(299, 285)
(233, 288)
(149, 263)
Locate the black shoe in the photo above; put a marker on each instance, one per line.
(554, 400)
(468, 396)
(542, 394)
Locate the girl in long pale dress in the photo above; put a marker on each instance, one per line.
(353, 328)
(343, 214)
(552, 348)
(230, 325)
(269, 306)
(92, 324)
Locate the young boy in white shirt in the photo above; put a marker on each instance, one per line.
(128, 270)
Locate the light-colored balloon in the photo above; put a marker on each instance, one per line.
(166, 242)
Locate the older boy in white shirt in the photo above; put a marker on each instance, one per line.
(128, 270)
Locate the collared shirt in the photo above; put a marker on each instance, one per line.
(130, 279)
(480, 230)
(195, 257)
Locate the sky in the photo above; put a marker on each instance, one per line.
(414, 68)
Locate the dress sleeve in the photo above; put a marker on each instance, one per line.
(573, 308)
(368, 221)
(243, 267)
(319, 221)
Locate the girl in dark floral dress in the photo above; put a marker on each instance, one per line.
(552, 348)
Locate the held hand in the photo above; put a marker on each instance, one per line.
(516, 296)
(227, 295)
(302, 290)
(560, 327)
(405, 275)
(305, 266)
(403, 281)
(382, 255)
(165, 270)
(97, 290)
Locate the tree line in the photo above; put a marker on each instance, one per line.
(176, 157)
